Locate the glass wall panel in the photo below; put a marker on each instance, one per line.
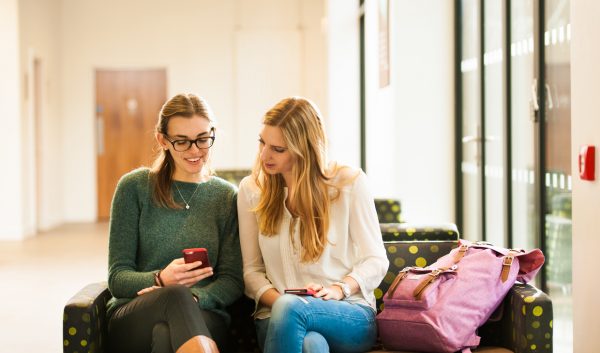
(522, 91)
(494, 117)
(471, 117)
(557, 35)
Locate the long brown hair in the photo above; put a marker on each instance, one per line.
(302, 127)
(161, 173)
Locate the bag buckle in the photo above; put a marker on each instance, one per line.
(506, 264)
(432, 276)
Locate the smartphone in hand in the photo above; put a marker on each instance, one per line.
(196, 254)
(300, 291)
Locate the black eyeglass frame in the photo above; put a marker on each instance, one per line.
(195, 142)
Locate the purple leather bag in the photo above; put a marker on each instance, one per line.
(439, 308)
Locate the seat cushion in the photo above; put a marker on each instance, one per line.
(478, 350)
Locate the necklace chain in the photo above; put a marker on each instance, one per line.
(187, 205)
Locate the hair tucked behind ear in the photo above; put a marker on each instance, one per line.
(161, 173)
(302, 128)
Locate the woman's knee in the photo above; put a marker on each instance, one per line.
(177, 295)
(314, 342)
(286, 306)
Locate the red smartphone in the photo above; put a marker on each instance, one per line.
(196, 254)
(300, 291)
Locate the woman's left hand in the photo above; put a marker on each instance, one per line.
(147, 290)
(326, 293)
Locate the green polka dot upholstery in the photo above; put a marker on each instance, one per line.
(526, 322)
(388, 210)
(84, 320)
(413, 232)
(233, 176)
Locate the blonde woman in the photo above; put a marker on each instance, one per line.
(307, 224)
(162, 304)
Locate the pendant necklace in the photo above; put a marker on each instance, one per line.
(187, 205)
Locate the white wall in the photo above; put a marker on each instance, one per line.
(202, 44)
(343, 80)
(410, 123)
(585, 130)
(39, 40)
(423, 53)
(199, 44)
(410, 126)
(11, 205)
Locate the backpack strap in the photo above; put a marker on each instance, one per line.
(431, 276)
(507, 263)
(462, 250)
(394, 285)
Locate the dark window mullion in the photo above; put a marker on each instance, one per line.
(363, 101)
(539, 29)
(458, 114)
(482, 117)
(508, 123)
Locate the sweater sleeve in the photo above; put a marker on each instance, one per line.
(124, 281)
(255, 277)
(228, 284)
(366, 234)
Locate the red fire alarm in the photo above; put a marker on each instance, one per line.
(587, 157)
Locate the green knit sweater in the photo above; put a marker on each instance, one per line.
(145, 237)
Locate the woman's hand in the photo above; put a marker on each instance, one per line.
(326, 293)
(147, 290)
(178, 272)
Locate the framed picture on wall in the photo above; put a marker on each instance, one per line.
(384, 47)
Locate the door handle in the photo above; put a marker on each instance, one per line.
(100, 135)
(549, 95)
(477, 140)
(534, 105)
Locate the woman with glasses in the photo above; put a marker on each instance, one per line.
(308, 227)
(160, 303)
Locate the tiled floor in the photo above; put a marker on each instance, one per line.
(38, 276)
(562, 306)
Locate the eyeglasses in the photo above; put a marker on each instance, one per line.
(203, 142)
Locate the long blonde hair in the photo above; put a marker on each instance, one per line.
(163, 167)
(302, 127)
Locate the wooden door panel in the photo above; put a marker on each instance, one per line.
(127, 106)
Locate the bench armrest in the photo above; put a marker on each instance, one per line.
(526, 322)
(84, 320)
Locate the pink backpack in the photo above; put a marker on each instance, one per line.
(439, 308)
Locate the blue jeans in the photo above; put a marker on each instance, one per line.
(311, 325)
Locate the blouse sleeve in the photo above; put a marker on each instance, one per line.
(366, 235)
(255, 277)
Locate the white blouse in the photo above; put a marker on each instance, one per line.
(355, 246)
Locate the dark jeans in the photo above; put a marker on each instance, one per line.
(161, 321)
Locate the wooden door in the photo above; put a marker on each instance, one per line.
(37, 125)
(127, 107)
